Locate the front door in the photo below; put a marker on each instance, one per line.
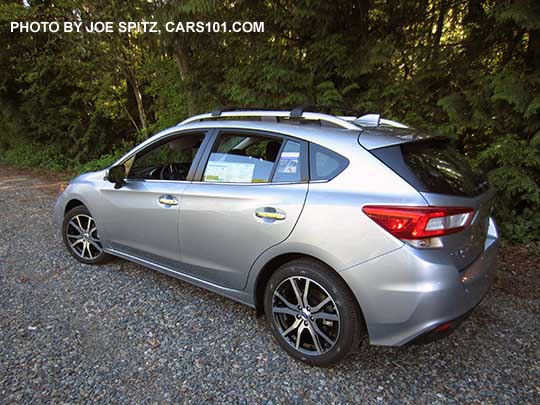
(141, 218)
(249, 196)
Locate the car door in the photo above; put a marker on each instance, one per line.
(141, 218)
(247, 195)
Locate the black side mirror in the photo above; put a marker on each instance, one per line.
(116, 175)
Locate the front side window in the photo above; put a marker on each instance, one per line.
(167, 161)
(242, 158)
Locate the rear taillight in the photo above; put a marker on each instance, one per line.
(420, 222)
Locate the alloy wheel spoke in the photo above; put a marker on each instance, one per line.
(306, 292)
(83, 249)
(89, 225)
(299, 335)
(77, 227)
(322, 334)
(296, 291)
(285, 301)
(315, 338)
(284, 310)
(79, 222)
(77, 242)
(327, 316)
(291, 328)
(322, 304)
(96, 245)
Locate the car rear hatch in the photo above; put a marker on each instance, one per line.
(444, 178)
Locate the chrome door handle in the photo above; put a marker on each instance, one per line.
(168, 200)
(270, 213)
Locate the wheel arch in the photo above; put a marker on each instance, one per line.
(72, 203)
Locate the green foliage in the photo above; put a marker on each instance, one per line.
(469, 70)
(32, 154)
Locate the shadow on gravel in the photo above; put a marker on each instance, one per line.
(123, 333)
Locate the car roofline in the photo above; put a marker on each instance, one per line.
(308, 133)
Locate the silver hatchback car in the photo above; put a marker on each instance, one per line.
(333, 227)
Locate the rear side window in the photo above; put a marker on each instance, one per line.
(240, 158)
(325, 164)
(289, 165)
(434, 166)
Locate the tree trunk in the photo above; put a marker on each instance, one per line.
(438, 31)
(472, 24)
(138, 96)
(533, 50)
(184, 70)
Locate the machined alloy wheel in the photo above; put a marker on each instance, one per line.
(312, 312)
(306, 315)
(81, 236)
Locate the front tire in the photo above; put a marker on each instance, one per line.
(312, 313)
(81, 237)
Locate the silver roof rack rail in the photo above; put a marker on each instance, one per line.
(346, 122)
(262, 114)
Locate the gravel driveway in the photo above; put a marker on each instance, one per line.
(120, 332)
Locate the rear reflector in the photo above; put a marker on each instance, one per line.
(420, 222)
(444, 327)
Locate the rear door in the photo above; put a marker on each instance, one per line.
(248, 194)
(444, 178)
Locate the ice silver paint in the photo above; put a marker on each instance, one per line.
(209, 234)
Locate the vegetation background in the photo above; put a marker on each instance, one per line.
(469, 69)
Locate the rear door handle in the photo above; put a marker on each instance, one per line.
(168, 200)
(270, 213)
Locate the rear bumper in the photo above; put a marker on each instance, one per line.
(407, 293)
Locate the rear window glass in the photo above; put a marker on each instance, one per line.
(325, 164)
(434, 167)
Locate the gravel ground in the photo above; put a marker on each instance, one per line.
(120, 332)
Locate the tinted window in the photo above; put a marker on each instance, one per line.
(240, 158)
(325, 164)
(434, 166)
(289, 165)
(167, 161)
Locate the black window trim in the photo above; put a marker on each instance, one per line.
(212, 143)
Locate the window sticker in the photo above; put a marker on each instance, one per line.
(229, 172)
(288, 163)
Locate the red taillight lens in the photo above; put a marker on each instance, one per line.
(419, 222)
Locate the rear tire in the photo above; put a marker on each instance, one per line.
(320, 327)
(81, 238)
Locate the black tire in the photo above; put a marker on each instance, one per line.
(94, 256)
(349, 328)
